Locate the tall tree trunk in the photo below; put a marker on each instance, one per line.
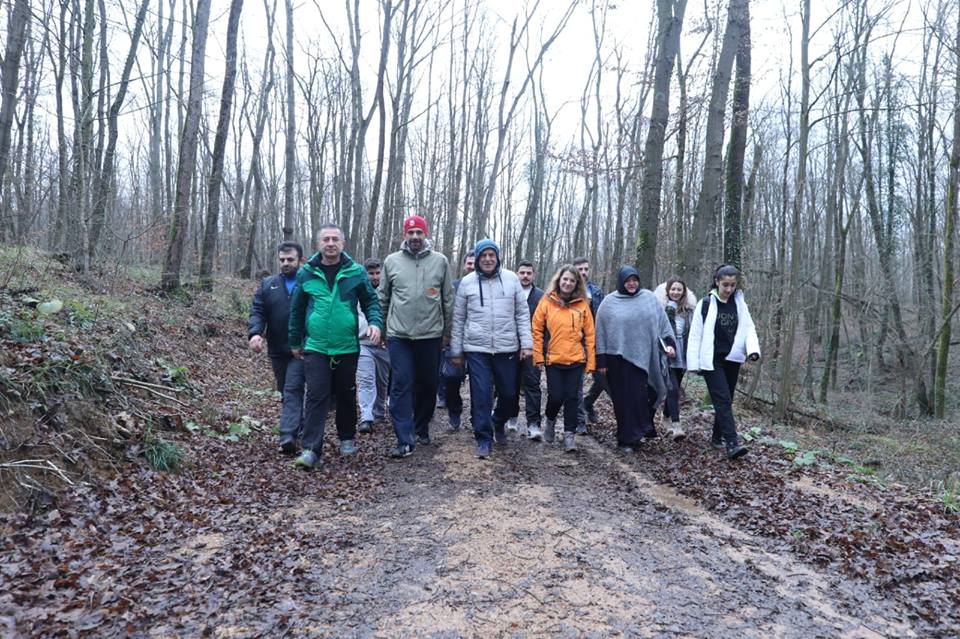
(949, 246)
(16, 37)
(705, 218)
(170, 278)
(290, 147)
(670, 20)
(106, 176)
(211, 226)
(732, 239)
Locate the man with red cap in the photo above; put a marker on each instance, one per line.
(416, 297)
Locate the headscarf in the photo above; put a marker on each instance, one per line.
(623, 274)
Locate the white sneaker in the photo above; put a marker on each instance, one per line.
(512, 424)
(534, 434)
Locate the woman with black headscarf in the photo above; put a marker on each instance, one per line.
(633, 336)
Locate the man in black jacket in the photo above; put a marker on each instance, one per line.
(529, 374)
(270, 315)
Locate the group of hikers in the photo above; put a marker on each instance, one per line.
(403, 335)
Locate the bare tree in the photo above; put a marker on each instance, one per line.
(170, 277)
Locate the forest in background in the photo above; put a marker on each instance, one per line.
(131, 133)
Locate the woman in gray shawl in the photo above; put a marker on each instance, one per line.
(633, 336)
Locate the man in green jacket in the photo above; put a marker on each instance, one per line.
(323, 332)
(416, 295)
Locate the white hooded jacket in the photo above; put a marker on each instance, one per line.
(700, 344)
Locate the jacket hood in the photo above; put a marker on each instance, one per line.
(483, 245)
(623, 274)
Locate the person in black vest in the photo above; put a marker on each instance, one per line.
(269, 315)
(529, 377)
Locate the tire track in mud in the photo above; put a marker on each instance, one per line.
(535, 542)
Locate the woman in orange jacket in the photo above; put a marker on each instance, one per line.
(563, 341)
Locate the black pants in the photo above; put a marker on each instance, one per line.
(328, 375)
(722, 382)
(279, 364)
(633, 401)
(671, 407)
(599, 386)
(529, 379)
(563, 386)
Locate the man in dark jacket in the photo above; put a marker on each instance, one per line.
(587, 413)
(529, 374)
(269, 315)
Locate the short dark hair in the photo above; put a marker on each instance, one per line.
(580, 260)
(372, 262)
(286, 247)
(470, 253)
(329, 225)
(523, 263)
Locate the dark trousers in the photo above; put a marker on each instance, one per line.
(529, 383)
(633, 400)
(722, 382)
(288, 374)
(587, 401)
(328, 375)
(489, 371)
(449, 388)
(414, 364)
(563, 391)
(671, 408)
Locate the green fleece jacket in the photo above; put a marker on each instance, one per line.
(416, 294)
(324, 319)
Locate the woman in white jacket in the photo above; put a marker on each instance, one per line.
(722, 337)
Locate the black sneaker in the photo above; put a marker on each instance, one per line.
(288, 448)
(717, 443)
(365, 427)
(423, 440)
(401, 451)
(581, 429)
(735, 452)
(500, 437)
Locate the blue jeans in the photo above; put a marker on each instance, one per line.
(413, 392)
(487, 371)
(291, 419)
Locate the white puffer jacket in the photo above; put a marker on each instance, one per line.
(700, 344)
(498, 324)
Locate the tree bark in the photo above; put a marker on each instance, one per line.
(733, 202)
(170, 278)
(212, 224)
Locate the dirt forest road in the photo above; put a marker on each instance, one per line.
(535, 542)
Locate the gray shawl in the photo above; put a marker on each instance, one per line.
(632, 326)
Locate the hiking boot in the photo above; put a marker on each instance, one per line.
(625, 449)
(401, 451)
(288, 448)
(348, 447)
(549, 432)
(534, 433)
(512, 424)
(735, 451)
(592, 415)
(454, 421)
(500, 436)
(581, 429)
(365, 427)
(677, 434)
(423, 440)
(308, 460)
(483, 450)
(716, 443)
(569, 445)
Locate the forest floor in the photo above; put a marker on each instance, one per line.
(670, 541)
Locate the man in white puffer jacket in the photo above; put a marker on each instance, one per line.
(491, 329)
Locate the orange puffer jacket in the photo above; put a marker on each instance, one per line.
(563, 333)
